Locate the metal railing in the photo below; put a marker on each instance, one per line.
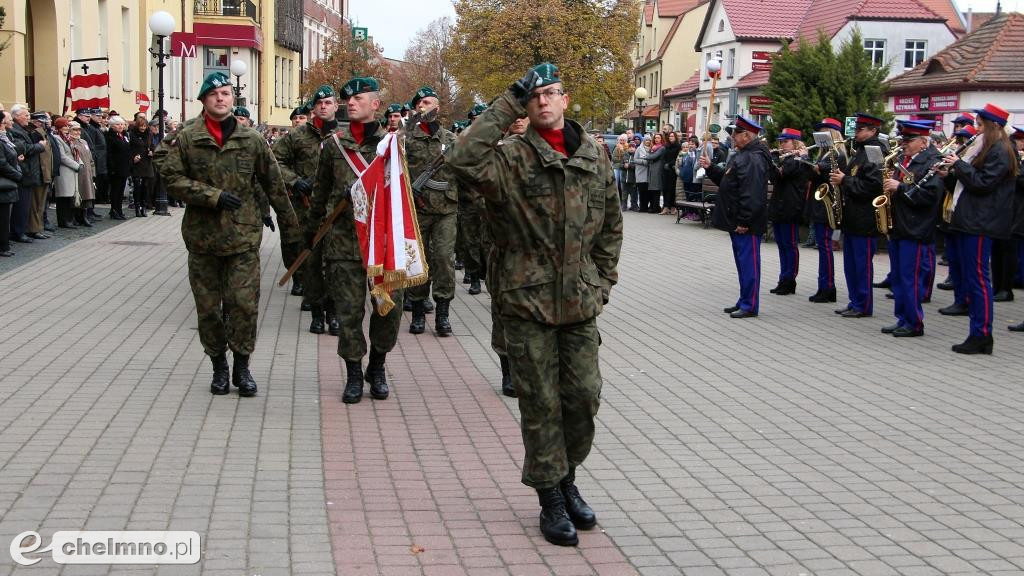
(245, 8)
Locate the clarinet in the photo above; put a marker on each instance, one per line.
(936, 167)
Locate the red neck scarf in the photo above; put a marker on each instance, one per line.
(358, 130)
(318, 124)
(426, 128)
(213, 127)
(555, 138)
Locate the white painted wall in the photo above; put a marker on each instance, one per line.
(895, 34)
(1013, 102)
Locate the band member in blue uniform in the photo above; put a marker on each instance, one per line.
(819, 175)
(1018, 209)
(786, 208)
(979, 210)
(741, 209)
(859, 184)
(959, 305)
(915, 209)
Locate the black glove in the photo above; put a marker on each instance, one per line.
(307, 239)
(228, 201)
(303, 187)
(523, 87)
(269, 223)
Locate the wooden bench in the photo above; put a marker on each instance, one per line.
(703, 207)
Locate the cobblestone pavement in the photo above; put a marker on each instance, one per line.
(795, 443)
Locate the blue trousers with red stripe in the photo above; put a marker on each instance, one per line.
(954, 259)
(908, 269)
(1019, 279)
(746, 251)
(975, 254)
(826, 258)
(858, 265)
(787, 237)
(928, 265)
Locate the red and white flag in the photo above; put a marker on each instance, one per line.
(88, 84)
(389, 235)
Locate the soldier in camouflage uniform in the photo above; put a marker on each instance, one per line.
(470, 230)
(552, 202)
(224, 172)
(393, 117)
(298, 152)
(346, 271)
(436, 209)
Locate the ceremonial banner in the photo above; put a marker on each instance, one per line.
(88, 84)
(389, 235)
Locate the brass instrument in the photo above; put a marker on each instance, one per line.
(883, 203)
(828, 193)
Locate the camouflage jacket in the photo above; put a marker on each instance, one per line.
(556, 222)
(334, 179)
(196, 170)
(420, 151)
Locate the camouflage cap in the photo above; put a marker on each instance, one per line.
(548, 73)
(393, 109)
(213, 80)
(425, 92)
(325, 91)
(359, 86)
(241, 111)
(476, 111)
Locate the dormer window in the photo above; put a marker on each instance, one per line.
(721, 25)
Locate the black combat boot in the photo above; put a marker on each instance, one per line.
(220, 384)
(333, 327)
(297, 289)
(317, 325)
(555, 524)
(974, 345)
(581, 514)
(787, 286)
(419, 318)
(442, 327)
(823, 296)
(467, 278)
(474, 284)
(241, 377)
(406, 303)
(506, 378)
(353, 384)
(377, 376)
(428, 306)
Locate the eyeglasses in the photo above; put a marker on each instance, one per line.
(547, 94)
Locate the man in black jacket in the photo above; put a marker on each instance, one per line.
(915, 211)
(29, 146)
(786, 208)
(741, 209)
(93, 135)
(859, 184)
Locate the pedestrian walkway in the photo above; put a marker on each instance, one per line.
(795, 443)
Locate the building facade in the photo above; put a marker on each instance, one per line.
(321, 20)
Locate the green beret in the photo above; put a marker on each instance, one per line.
(241, 111)
(325, 91)
(300, 111)
(422, 93)
(213, 80)
(359, 85)
(548, 73)
(393, 109)
(476, 110)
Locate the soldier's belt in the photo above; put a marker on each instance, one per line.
(438, 185)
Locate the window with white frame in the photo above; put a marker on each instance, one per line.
(730, 64)
(876, 51)
(914, 54)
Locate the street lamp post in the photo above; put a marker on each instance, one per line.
(576, 111)
(238, 69)
(641, 94)
(162, 25)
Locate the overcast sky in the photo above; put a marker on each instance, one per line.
(393, 23)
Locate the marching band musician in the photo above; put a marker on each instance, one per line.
(914, 215)
(819, 174)
(786, 207)
(959, 306)
(859, 185)
(1018, 203)
(981, 210)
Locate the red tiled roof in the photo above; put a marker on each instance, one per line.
(889, 10)
(831, 15)
(979, 19)
(672, 8)
(688, 86)
(652, 111)
(754, 79)
(988, 58)
(764, 19)
(947, 9)
(649, 13)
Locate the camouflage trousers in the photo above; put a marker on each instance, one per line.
(497, 327)
(438, 231)
(290, 250)
(227, 294)
(473, 255)
(346, 280)
(313, 280)
(555, 371)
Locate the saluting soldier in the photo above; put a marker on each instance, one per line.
(915, 210)
(298, 152)
(474, 259)
(223, 171)
(343, 156)
(552, 203)
(741, 209)
(859, 184)
(436, 208)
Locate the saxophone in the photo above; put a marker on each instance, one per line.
(829, 194)
(883, 202)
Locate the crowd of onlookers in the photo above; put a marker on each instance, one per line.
(653, 170)
(74, 162)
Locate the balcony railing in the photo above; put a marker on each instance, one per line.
(245, 8)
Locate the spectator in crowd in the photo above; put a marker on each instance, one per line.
(621, 147)
(86, 187)
(119, 164)
(10, 178)
(49, 162)
(29, 145)
(668, 173)
(66, 183)
(629, 178)
(142, 165)
(98, 146)
(654, 160)
(642, 173)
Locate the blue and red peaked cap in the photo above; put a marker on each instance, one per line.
(746, 125)
(831, 123)
(790, 134)
(864, 119)
(913, 128)
(993, 113)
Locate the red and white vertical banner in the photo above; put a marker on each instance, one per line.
(88, 84)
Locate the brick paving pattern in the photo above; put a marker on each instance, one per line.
(794, 443)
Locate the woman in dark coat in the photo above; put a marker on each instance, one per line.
(668, 174)
(10, 176)
(119, 164)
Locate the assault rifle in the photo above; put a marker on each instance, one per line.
(320, 233)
